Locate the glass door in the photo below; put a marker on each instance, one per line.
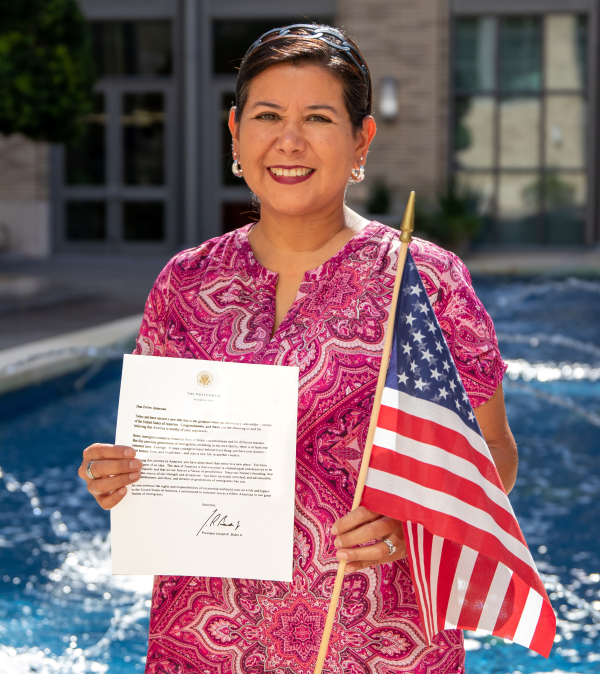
(143, 168)
(114, 187)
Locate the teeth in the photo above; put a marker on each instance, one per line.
(291, 173)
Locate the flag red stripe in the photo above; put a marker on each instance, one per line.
(479, 586)
(453, 528)
(544, 633)
(434, 477)
(431, 433)
(448, 564)
(512, 608)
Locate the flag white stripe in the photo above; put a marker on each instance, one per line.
(424, 409)
(424, 577)
(529, 619)
(448, 505)
(495, 598)
(460, 584)
(435, 456)
(416, 580)
(436, 557)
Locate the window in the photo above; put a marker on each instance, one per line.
(85, 160)
(143, 125)
(143, 220)
(85, 220)
(520, 124)
(132, 47)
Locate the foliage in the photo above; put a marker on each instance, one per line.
(380, 198)
(46, 69)
(557, 192)
(462, 134)
(453, 220)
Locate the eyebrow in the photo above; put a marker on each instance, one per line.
(309, 107)
(323, 107)
(267, 104)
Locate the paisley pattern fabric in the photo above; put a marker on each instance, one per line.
(216, 302)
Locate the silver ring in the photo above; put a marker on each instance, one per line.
(390, 545)
(88, 471)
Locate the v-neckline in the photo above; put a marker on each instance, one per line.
(270, 278)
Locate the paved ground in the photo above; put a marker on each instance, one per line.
(534, 263)
(44, 298)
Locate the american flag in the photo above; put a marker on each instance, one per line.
(432, 469)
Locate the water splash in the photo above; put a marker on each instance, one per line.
(560, 401)
(556, 340)
(59, 528)
(548, 372)
(28, 660)
(568, 285)
(81, 578)
(576, 615)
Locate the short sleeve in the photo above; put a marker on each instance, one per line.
(467, 327)
(152, 335)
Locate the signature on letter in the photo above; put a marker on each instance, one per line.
(217, 519)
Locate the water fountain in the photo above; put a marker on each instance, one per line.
(62, 611)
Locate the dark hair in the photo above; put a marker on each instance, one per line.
(304, 46)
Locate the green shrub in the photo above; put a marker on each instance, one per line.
(453, 220)
(380, 198)
(46, 69)
(558, 193)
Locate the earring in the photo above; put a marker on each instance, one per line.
(237, 171)
(358, 174)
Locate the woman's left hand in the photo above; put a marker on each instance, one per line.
(361, 526)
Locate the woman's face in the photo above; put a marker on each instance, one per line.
(295, 142)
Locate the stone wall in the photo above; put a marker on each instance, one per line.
(409, 41)
(24, 208)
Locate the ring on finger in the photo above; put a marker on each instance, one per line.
(88, 471)
(390, 545)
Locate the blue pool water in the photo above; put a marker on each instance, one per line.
(62, 611)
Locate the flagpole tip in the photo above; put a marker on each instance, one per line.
(408, 222)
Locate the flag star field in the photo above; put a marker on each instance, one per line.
(421, 364)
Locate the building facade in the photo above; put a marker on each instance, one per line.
(499, 96)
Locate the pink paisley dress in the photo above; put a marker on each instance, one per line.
(216, 302)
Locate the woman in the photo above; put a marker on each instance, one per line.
(308, 285)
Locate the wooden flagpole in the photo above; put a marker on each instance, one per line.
(406, 229)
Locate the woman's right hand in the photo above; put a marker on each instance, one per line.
(115, 466)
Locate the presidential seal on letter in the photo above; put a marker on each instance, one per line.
(205, 379)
